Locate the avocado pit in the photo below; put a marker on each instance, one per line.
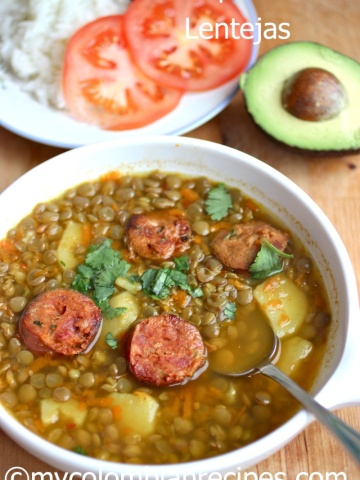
(313, 94)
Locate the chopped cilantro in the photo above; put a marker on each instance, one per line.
(134, 278)
(218, 202)
(110, 312)
(182, 263)
(96, 276)
(267, 261)
(111, 341)
(80, 450)
(230, 310)
(38, 323)
(157, 283)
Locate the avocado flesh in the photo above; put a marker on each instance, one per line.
(262, 87)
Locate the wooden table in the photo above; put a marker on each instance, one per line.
(332, 181)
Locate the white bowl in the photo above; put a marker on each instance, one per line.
(335, 386)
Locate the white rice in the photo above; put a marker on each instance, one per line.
(33, 37)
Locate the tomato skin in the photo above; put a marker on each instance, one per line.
(102, 85)
(163, 36)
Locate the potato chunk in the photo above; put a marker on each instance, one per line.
(70, 411)
(293, 351)
(136, 412)
(72, 237)
(118, 325)
(284, 304)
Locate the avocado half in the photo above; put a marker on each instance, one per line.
(263, 89)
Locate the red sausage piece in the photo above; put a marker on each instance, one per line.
(64, 321)
(158, 235)
(237, 247)
(165, 350)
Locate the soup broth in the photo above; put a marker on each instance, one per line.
(93, 403)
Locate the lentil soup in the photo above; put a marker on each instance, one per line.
(174, 240)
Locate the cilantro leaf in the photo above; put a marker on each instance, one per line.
(100, 255)
(80, 450)
(96, 276)
(134, 278)
(179, 279)
(83, 280)
(102, 293)
(182, 263)
(218, 202)
(153, 284)
(112, 312)
(267, 261)
(230, 310)
(196, 292)
(157, 283)
(111, 341)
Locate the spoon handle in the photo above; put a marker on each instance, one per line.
(349, 437)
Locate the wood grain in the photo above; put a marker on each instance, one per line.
(332, 181)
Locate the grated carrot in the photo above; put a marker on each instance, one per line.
(240, 413)
(176, 212)
(275, 304)
(198, 239)
(21, 408)
(251, 205)
(220, 226)
(86, 233)
(117, 413)
(39, 426)
(8, 246)
(271, 284)
(99, 402)
(236, 283)
(189, 196)
(180, 297)
(114, 175)
(40, 363)
(7, 249)
(215, 392)
(175, 407)
(82, 406)
(188, 403)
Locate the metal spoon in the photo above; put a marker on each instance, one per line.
(349, 437)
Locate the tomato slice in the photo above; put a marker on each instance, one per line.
(103, 86)
(170, 44)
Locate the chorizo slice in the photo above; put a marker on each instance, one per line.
(158, 236)
(237, 247)
(63, 321)
(165, 350)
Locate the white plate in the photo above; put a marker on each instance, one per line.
(23, 115)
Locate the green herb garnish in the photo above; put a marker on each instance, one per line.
(80, 450)
(218, 202)
(267, 261)
(111, 341)
(158, 283)
(182, 263)
(96, 276)
(230, 310)
(38, 323)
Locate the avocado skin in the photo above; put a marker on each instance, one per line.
(262, 84)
